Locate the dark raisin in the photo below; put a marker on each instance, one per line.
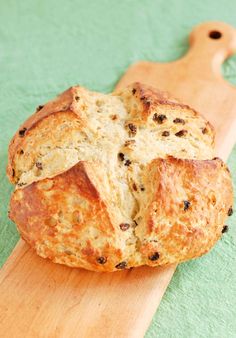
(127, 163)
(230, 211)
(114, 117)
(124, 226)
(101, 260)
(142, 187)
(159, 118)
(21, 152)
(165, 133)
(39, 165)
(21, 184)
(121, 265)
(135, 187)
(13, 173)
(121, 156)
(133, 91)
(178, 120)
(77, 98)
(154, 256)
(146, 102)
(204, 130)
(225, 229)
(22, 132)
(132, 128)
(129, 142)
(181, 133)
(39, 108)
(186, 205)
(135, 223)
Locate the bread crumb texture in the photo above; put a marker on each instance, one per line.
(109, 182)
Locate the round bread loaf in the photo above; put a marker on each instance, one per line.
(108, 182)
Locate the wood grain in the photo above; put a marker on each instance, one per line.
(42, 299)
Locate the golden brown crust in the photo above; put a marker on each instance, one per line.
(182, 215)
(123, 205)
(148, 98)
(185, 209)
(66, 220)
(61, 104)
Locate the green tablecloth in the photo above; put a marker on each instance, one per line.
(47, 46)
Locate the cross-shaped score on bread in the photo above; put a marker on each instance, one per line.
(109, 182)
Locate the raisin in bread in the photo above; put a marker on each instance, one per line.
(107, 182)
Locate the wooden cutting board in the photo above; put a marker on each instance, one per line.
(42, 299)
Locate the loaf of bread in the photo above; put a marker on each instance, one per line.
(108, 182)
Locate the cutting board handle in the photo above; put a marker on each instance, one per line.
(210, 44)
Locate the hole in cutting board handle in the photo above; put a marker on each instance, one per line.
(215, 35)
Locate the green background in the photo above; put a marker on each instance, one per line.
(47, 46)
